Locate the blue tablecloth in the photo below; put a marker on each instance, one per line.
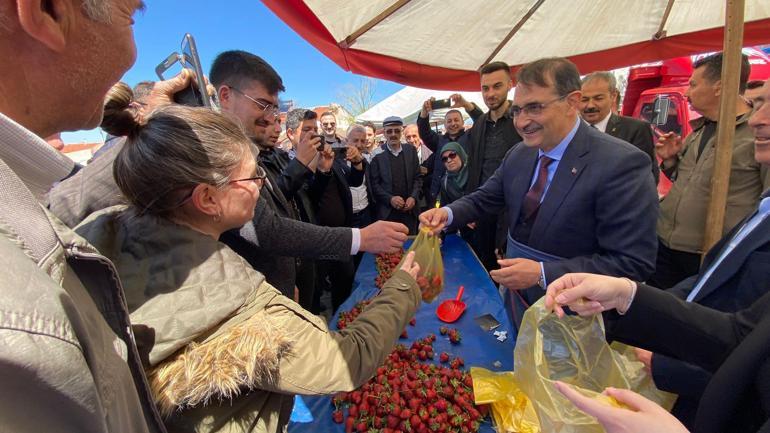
(478, 347)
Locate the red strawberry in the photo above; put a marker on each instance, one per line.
(404, 334)
(413, 321)
(444, 357)
(349, 424)
(337, 416)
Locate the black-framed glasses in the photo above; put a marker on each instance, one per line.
(448, 156)
(259, 176)
(268, 108)
(533, 108)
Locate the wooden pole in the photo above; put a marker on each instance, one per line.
(731, 67)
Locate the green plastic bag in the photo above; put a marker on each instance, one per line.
(573, 350)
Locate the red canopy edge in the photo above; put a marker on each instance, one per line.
(303, 21)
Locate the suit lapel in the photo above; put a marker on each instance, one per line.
(522, 170)
(612, 125)
(733, 262)
(569, 170)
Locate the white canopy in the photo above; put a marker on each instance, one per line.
(407, 103)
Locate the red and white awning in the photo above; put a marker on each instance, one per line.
(441, 44)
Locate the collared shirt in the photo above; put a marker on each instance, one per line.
(495, 145)
(556, 154)
(762, 212)
(33, 160)
(602, 124)
(394, 151)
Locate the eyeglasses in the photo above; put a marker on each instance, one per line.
(259, 176)
(393, 131)
(268, 108)
(450, 155)
(534, 108)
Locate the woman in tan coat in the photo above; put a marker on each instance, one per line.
(224, 351)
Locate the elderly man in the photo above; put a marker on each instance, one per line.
(690, 164)
(395, 177)
(568, 209)
(600, 94)
(67, 350)
(412, 136)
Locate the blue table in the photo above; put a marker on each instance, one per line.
(478, 347)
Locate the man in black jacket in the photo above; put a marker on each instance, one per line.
(600, 95)
(248, 89)
(491, 137)
(395, 176)
(454, 130)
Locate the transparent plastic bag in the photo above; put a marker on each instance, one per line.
(573, 350)
(427, 252)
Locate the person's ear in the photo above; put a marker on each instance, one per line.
(717, 86)
(205, 199)
(573, 99)
(225, 97)
(47, 21)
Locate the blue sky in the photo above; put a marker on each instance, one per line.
(310, 78)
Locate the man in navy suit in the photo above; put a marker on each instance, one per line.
(578, 200)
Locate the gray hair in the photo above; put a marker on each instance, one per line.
(177, 149)
(609, 77)
(295, 117)
(356, 128)
(98, 10)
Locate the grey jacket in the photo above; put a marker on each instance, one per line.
(67, 357)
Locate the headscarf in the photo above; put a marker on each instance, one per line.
(454, 183)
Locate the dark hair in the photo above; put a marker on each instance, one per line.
(713, 71)
(552, 71)
(369, 124)
(143, 90)
(234, 68)
(454, 110)
(494, 67)
(177, 149)
(297, 116)
(119, 115)
(754, 84)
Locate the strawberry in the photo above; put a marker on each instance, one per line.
(349, 424)
(444, 357)
(413, 322)
(337, 416)
(443, 330)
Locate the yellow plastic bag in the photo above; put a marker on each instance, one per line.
(511, 409)
(427, 252)
(573, 350)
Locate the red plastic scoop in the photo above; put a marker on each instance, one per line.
(451, 309)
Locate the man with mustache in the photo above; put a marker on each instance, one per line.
(569, 210)
(600, 95)
(690, 164)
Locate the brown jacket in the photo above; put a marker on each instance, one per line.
(229, 350)
(682, 220)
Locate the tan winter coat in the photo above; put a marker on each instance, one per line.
(229, 350)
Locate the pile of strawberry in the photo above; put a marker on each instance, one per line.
(346, 317)
(385, 264)
(407, 395)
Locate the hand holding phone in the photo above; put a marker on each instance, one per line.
(441, 103)
(196, 94)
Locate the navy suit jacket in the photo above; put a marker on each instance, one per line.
(741, 278)
(599, 211)
(381, 179)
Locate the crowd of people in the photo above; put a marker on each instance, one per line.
(197, 238)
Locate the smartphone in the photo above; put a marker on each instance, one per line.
(441, 103)
(195, 95)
